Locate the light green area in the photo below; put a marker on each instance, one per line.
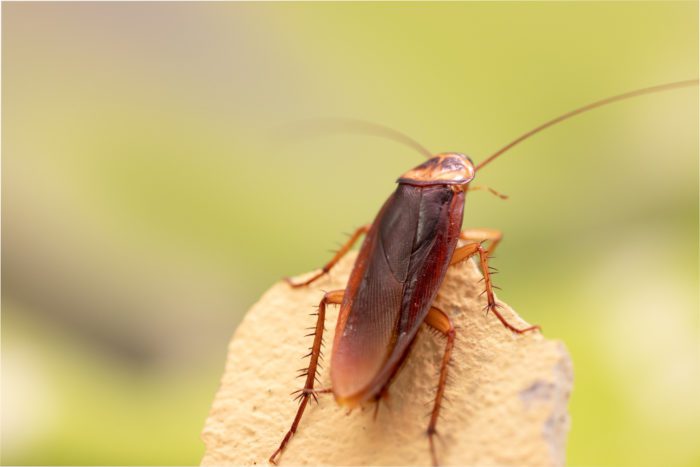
(102, 409)
(149, 199)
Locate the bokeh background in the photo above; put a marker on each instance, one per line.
(148, 199)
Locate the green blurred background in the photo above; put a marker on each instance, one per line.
(148, 200)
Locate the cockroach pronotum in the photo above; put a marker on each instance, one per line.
(400, 266)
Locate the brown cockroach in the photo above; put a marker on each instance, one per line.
(400, 266)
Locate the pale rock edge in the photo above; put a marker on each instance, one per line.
(508, 394)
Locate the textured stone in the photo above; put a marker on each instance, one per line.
(507, 393)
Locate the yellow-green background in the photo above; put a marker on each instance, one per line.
(148, 200)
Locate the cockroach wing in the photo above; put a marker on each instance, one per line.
(372, 304)
(396, 276)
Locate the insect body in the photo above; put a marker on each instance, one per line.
(399, 269)
(398, 272)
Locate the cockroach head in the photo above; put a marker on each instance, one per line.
(448, 168)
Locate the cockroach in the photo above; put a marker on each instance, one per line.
(406, 252)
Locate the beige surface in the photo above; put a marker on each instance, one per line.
(507, 393)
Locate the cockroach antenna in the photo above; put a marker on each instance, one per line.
(352, 125)
(586, 108)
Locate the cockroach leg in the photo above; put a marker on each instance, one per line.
(493, 236)
(489, 189)
(465, 252)
(437, 319)
(299, 393)
(339, 254)
(491, 300)
(335, 297)
(383, 396)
